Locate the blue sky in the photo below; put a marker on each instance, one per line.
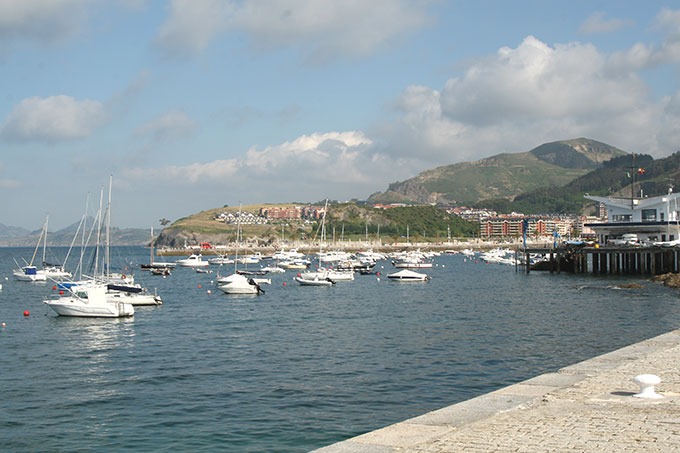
(196, 104)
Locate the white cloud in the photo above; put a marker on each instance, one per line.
(524, 96)
(596, 23)
(322, 30)
(309, 167)
(52, 119)
(170, 125)
(41, 20)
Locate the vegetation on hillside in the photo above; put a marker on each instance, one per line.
(614, 178)
(504, 175)
(423, 221)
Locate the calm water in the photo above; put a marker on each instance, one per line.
(299, 367)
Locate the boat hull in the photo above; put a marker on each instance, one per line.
(313, 282)
(68, 307)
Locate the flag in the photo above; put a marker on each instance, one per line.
(641, 171)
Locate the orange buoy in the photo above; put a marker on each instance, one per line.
(53, 288)
(199, 286)
(26, 313)
(61, 292)
(284, 283)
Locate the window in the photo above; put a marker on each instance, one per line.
(649, 215)
(622, 218)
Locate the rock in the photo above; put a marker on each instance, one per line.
(671, 279)
(631, 286)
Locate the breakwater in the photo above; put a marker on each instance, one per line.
(587, 406)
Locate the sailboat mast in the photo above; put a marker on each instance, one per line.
(238, 237)
(108, 230)
(37, 245)
(45, 240)
(82, 237)
(99, 231)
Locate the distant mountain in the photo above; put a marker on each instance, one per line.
(504, 175)
(621, 176)
(10, 232)
(24, 238)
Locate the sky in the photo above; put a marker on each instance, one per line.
(197, 104)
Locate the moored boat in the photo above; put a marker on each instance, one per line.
(314, 281)
(193, 260)
(89, 301)
(238, 284)
(407, 275)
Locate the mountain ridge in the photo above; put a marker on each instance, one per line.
(504, 175)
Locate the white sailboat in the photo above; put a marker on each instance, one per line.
(237, 283)
(322, 276)
(29, 272)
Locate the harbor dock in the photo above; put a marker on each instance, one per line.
(623, 260)
(588, 406)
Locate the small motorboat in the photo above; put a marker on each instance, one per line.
(221, 259)
(315, 281)
(407, 275)
(239, 284)
(193, 260)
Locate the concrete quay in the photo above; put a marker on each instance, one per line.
(588, 406)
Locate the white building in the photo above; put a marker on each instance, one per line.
(651, 218)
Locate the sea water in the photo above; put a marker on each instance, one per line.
(298, 367)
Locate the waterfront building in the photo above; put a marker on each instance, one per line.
(512, 225)
(650, 218)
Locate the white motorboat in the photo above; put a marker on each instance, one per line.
(289, 255)
(274, 269)
(334, 275)
(89, 301)
(221, 259)
(239, 284)
(250, 259)
(193, 260)
(314, 281)
(295, 264)
(29, 274)
(407, 275)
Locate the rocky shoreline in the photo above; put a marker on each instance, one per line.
(671, 280)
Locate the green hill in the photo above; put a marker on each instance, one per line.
(347, 219)
(614, 178)
(502, 176)
(423, 221)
